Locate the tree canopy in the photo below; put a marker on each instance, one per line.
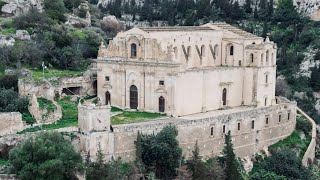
(47, 156)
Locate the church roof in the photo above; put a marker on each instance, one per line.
(176, 28)
(234, 29)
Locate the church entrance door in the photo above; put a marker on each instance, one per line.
(133, 97)
(224, 97)
(108, 98)
(161, 104)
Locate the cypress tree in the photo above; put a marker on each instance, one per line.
(230, 161)
(247, 6)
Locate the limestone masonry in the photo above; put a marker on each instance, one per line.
(208, 79)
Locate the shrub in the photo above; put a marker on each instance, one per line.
(10, 101)
(9, 82)
(47, 156)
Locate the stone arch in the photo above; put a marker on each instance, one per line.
(265, 101)
(133, 50)
(108, 98)
(134, 100)
(189, 51)
(267, 57)
(162, 104)
(203, 51)
(230, 49)
(224, 96)
(216, 51)
(251, 58)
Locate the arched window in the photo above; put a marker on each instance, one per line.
(108, 98)
(189, 51)
(161, 104)
(267, 77)
(240, 63)
(252, 58)
(224, 96)
(267, 57)
(272, 59)
(262, 59)
(203, 51)
(211, 131)
(216, 51)
(133, 97)
(265, 101)
(133, 50)
(231, 50)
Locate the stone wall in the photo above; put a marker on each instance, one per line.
(8, 177)
(252, 129)
(10, 123)
(309, 155)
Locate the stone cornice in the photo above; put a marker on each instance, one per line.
(139, 63)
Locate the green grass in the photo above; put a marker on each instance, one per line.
(27, 117)
(293, 142)
(134, 117)
(69, 117)
(8, 31)
(116, 109)
(37, 74)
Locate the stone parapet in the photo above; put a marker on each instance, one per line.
(252, 130)
(309, 155)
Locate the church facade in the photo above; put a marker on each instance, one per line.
(187, 70)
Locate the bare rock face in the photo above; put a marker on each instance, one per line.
(77, 21)
(22, 35)
(18, 7)
(6, 41)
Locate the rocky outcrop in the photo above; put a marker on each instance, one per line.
(6, 41)
(77, 21)
(18, 7)
(22, 35)
(42, 115)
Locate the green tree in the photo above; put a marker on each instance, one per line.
(112, 170)
(55, 9)
(230, 161)
(161, 152)
(286, 13)
(204, 8)
(196, 165)
(247, 6)
(263, 174)
(11, 102)
(286, 163)
(47, 156)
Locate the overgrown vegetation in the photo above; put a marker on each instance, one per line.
(285, 162)
(47, 105)
(69, 117)
(298, 141)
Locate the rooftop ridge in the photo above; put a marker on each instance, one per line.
(234, 29)
(176, 28)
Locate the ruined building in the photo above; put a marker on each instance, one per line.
(208, 79)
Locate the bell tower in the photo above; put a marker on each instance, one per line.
(94, 129)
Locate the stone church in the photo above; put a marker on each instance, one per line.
(208, 79)
(187, 70)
